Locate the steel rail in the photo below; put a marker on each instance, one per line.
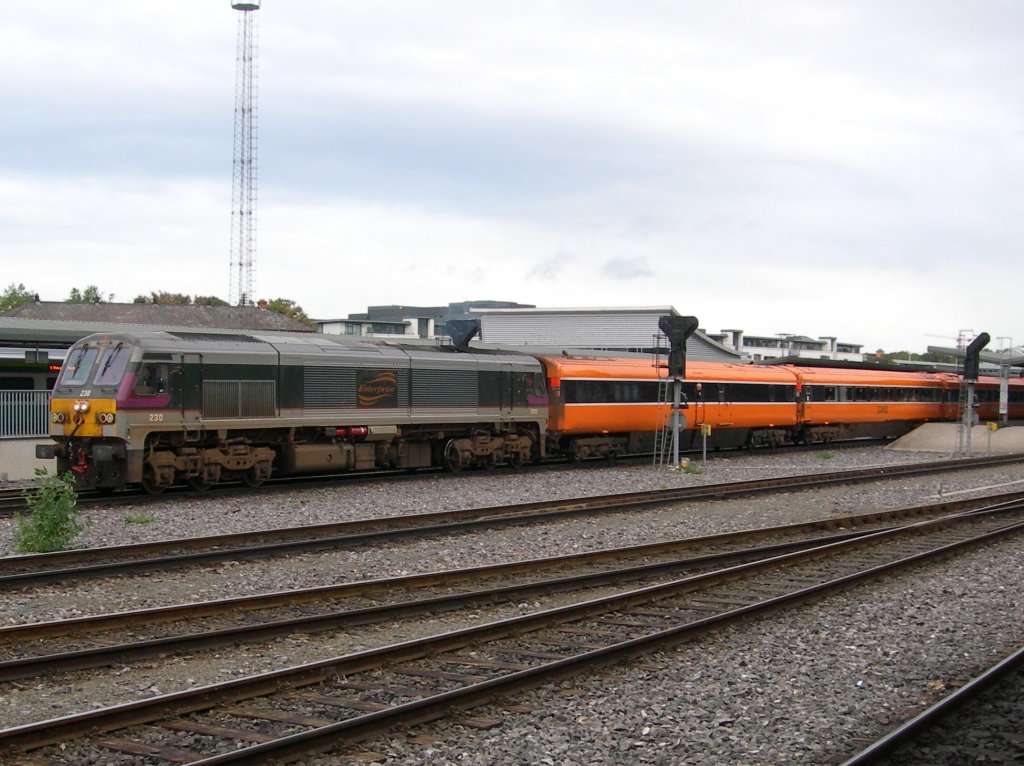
(910, 730)
(11, 501)
(76, 659)
(137, 495)
(80, 659)
(51, 567)
(862, 562)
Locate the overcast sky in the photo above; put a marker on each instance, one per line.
(822, 168)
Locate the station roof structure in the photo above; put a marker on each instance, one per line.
(623, 329)
(160, 314)
(59, 324)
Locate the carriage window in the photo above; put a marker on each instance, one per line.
(112, 364)
(151, 379)
(535, 382)
(707, 391)
(78, 365)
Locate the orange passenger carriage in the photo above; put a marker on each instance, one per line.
(615, 405)
(845, 403)
(987, 395)
(609, 406)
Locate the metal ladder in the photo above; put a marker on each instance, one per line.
(663, 434)
(962, 406)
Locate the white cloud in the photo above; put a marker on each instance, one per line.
(836, 170)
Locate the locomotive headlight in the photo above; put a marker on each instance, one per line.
(81, 407)
(57, 417)
(105, 418)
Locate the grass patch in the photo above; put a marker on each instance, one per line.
(138, 518)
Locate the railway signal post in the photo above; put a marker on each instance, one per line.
(677, 329)
(972, 365)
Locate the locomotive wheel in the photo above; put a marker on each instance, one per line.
(149, 482)
(199, 483)
(452, 457)
(251, 478)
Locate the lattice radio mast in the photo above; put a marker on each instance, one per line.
(243, 184)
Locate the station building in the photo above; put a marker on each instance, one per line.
(628, 329)
(396, 321)
(760, 348)
(511, 325)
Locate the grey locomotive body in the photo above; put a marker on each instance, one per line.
(156, 408)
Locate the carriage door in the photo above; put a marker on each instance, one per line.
(507, 398)
(190, 378)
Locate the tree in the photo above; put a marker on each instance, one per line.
(14, 296)
(178, 299)
(165, 299)
(91, 294)
(290, 309)
(209, 300)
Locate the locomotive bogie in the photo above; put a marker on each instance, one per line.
(595, 446)
(768, 437)
(205, 467)
(482, 450)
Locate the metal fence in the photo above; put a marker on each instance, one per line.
(24, 414)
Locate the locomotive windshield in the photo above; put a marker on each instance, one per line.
(78, 365)
(106, 365)
(112, 364)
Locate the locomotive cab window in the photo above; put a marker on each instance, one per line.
(151, 379)
(112, 364)
(78, 366)
(529, 387)
(535, 384)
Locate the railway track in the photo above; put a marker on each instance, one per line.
(34, 569)
(989, 706)
(97, 640)
(280, 716)
(12, 500)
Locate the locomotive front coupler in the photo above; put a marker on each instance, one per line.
(60, 449)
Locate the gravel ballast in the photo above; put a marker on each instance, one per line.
(792, 687)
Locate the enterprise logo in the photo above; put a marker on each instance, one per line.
(375, 388)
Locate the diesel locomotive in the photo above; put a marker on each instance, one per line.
(158, 408)
(161, 408)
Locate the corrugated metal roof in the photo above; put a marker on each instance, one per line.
(15, 331)
(610, 329)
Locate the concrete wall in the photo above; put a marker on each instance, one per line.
(18, 459)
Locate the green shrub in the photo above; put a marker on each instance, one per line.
(53, 515)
